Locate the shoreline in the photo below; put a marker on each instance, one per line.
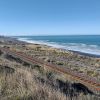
(73, 51)
(86, 54)
(19, 41)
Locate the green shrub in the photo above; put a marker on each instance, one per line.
(60, 63)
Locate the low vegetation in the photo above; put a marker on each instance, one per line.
(29, 83)
(23, 84)
(19, 80)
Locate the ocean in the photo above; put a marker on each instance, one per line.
(82, 43)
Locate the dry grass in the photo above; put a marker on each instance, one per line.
(23, 85)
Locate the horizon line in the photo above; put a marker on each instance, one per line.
(53, 35)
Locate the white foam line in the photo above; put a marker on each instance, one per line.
(91, 49)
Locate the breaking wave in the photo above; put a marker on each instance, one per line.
(81, 47)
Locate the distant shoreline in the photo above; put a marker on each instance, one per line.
(14, 39)
(77, 52)
(86, 54)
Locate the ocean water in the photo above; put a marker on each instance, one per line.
(83, 43)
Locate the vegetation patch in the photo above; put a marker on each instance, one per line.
(11, 58)
(60, 63)
(6, 69)
(1, 52)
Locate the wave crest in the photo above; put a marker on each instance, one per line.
(81, 47)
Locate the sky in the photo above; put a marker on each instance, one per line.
(49, 17)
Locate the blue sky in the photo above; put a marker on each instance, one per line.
(49, 17)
